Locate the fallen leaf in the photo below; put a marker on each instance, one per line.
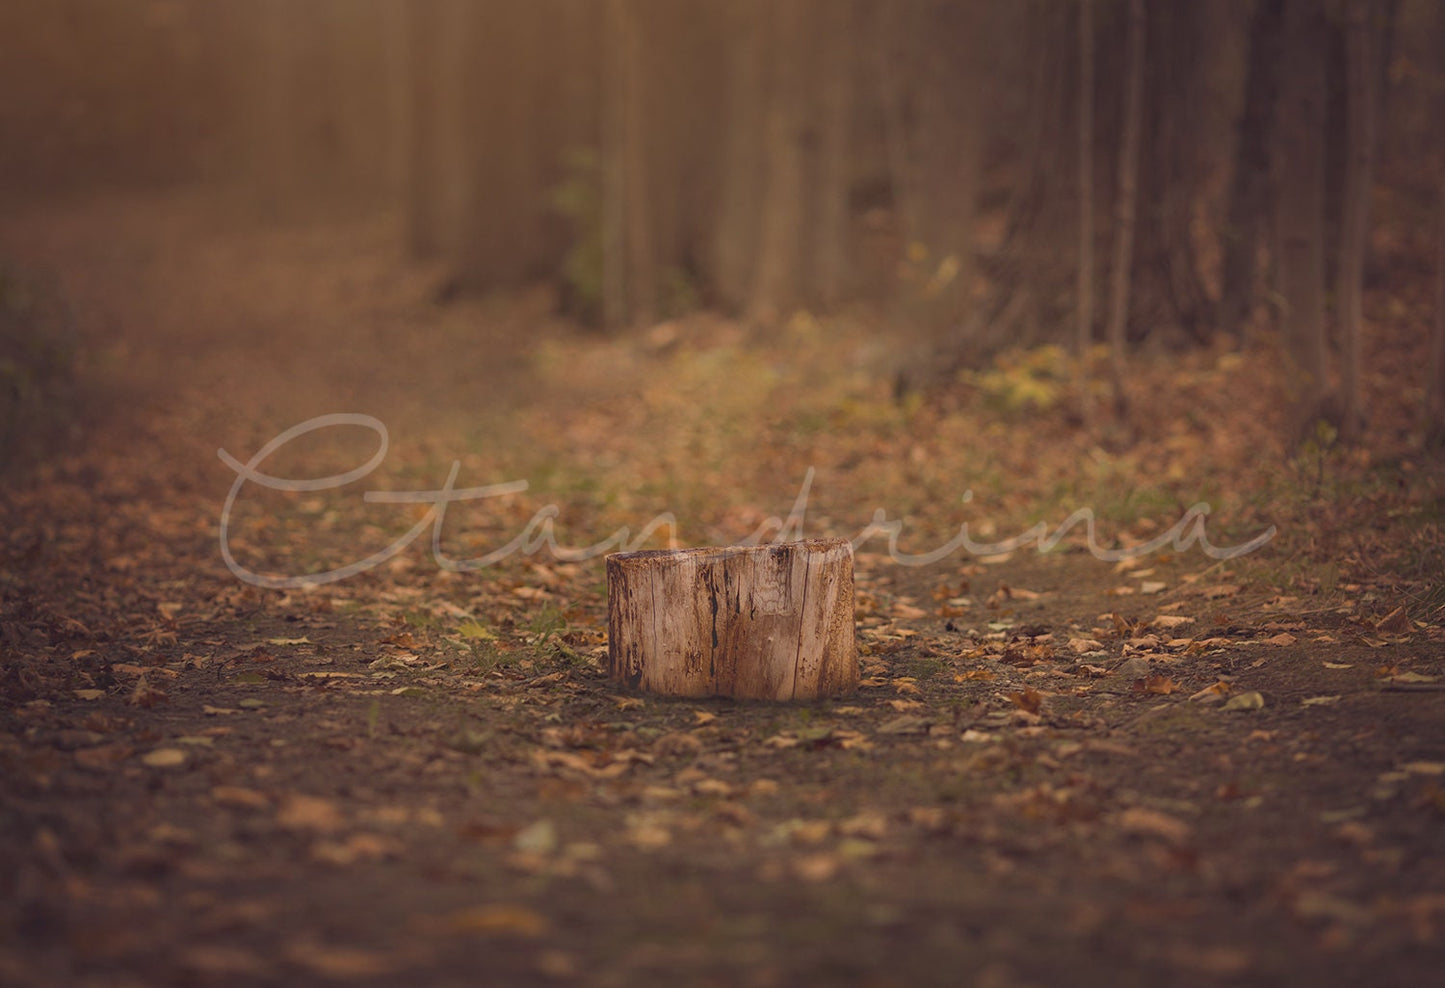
(1170, 621)
(1253, 700)
(1320, 701)
(1212, 694)
(165, 758)
(300, 812)
(341, 963)
(88, 694)
(357, 847)
(1281, 639)
(904, 705)
(1030, 700)
(498, 920)
(817, 867)
(1140, 820)
(1161, 685)
(1394, 623)
(239, 797)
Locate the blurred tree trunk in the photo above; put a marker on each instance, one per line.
(836, 24)
(1176, 166)
(272, 107)
(1249, 186)
(946, 95)
(1435, 373)
(439, 181)
(735, 226)
(629, 261)
(1355, 226)
(1301, 207)
(1434, 425)
(777, 276)
(1124, 215)
(1084, 295)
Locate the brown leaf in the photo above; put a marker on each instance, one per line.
(239, 797)
(1159, 684)
(339, 962)
(300, 812)
(1394, 623)
(1152, 823)
(498, 920)
(1030, 700)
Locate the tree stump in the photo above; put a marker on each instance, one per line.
(771, 622)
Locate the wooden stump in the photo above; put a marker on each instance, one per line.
(771, 622)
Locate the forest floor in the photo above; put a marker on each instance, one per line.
(1059, 769)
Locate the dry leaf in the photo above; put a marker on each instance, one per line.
(165, 758)
(339, 962)
(1140, 820)
(239, 797)
(498, 920)
(1394, 623)
(309, 813)
(1161, 685)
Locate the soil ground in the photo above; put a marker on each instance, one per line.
(1059, 769)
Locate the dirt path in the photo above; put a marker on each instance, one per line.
(1058, 771)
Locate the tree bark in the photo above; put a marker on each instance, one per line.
(439, 181)
(829, 251)
(1124, 216)
(735, 226)
(1354, 233)
(771, 622)
(777, 277)
(1249, 186)
(1301, 269)
(629, 261)
(1084, 292)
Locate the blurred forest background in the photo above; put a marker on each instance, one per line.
(1099, 174)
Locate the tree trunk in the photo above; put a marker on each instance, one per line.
(439, 182)
(1124, 215)
(1301, 268)
(1084, 293)
(1354, 232)
(735, 226)
(629, 262)
(829, 251)
(772, 622)
(1249, 187)
(1434, 424)
(777, 276)
(1435, 386)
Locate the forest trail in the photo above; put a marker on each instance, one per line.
(1059, 770)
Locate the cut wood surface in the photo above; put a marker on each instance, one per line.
(771, 622)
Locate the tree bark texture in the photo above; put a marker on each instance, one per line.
(1126, 205)
(1301, 209)
(1250, 186)
(1355, 226)
(1084, 290)
(771, 622)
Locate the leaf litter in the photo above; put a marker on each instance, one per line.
(1229, 771)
